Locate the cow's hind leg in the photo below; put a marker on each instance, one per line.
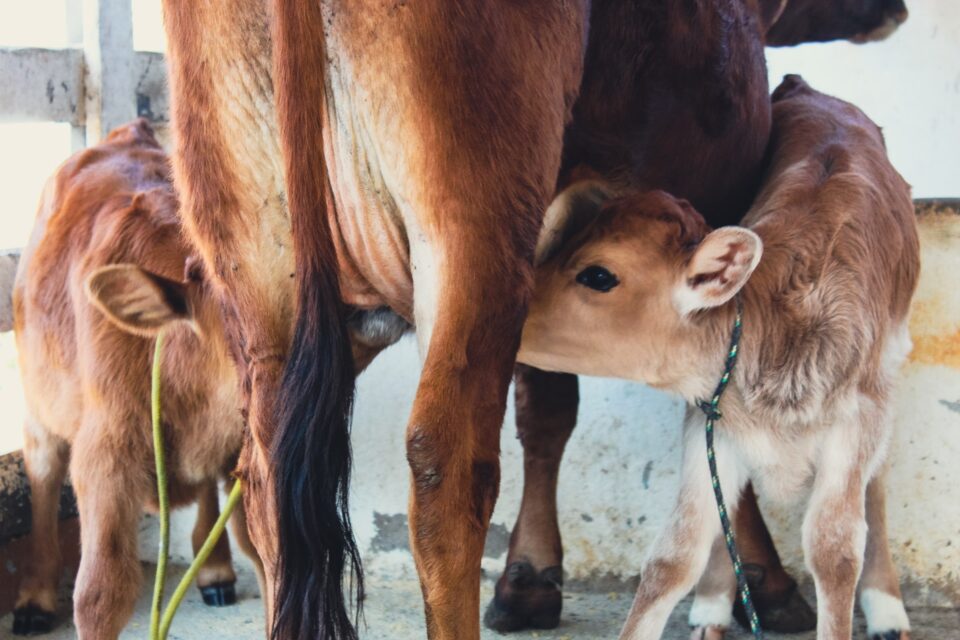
(529, 593)
(216, 579)
(453, 446)
(880, 596)
(45, 456)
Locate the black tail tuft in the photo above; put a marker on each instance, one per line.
(311, 467)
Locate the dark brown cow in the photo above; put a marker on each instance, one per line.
(87, 381)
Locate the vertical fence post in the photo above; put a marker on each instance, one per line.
(78, 132)
(110, 87)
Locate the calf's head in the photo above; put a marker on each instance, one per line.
(620, 293)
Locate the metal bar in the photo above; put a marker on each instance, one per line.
(110, 69)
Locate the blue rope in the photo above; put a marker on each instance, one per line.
(712, 410)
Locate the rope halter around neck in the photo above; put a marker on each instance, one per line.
(711, 409)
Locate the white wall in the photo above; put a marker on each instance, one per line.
(909, 84)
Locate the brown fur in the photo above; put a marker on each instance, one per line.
(825, 313)
(87, 382)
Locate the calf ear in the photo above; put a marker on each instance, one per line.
(137, 301)
(571, 211)
(718, 269)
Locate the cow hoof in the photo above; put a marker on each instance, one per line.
(785, 612)
(526, 600)
(891, 635)
(31, 620)
(710, 632)
(219, 595)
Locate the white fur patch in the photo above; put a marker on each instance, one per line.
(883, 612)
(711, 610)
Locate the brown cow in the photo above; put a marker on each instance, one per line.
(369, 154)
(659, 136)
(87, 382)
(824, 332)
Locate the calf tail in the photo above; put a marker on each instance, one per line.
(311, 454)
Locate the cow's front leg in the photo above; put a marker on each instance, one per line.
(528, 594)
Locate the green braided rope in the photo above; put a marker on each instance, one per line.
(202, 555)
(162, 498)
(159, 627)
(712, 411)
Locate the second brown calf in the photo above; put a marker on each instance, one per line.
(86, 376)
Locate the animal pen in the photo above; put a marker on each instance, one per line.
(621, 468)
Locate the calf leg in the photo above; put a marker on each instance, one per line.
(715, 595)
(779, 604)
(834, 533)
(216, 578)
(45, 456)
(109, 497)
(880, 596)
(680, 553)
(528, 594)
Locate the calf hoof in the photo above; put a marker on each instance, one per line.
(783, 612)
(31, 620)
(710, 632)
(891, 635)
(219, 595)
(525, 600)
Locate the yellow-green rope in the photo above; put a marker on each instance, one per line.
(160, 626)
(198, 561)
(162, 498)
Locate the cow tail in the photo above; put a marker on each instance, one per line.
(311, 454)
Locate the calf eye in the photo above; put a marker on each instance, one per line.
(597, 278)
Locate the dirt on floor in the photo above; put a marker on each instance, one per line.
(393, 611)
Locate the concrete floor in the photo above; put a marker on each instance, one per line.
(394, 611)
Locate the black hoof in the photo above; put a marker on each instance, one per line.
(31, 620)
(525, 600)
(784, 612)
(887, 635)
(219, 595)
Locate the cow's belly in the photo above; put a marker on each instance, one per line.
(369, 230)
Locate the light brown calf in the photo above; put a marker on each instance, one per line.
(825, 314)
(87, 382)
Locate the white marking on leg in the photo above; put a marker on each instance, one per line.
(883, 612)
(711, 611)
